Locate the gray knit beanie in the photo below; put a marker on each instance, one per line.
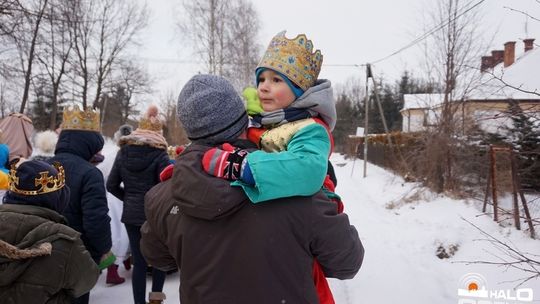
(211, 110)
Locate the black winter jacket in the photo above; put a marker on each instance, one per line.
(87, 211)
(138, 168)
(232, 251)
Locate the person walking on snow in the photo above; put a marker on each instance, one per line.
(141, 158)
(228, 249)
(79, 140)
(292, 116)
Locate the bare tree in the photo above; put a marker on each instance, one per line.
(203, 25)
(509, 256)
(173, 130)
(223, 34)
(450, 53)
(242, 49)
(23, 29)
(135, 81)
(102, 31)
(54, 57)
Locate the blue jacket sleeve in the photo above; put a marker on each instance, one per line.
(96, 221)
(162, 163)
(300, 170)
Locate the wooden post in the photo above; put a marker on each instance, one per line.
(527, 214)
(488, 183)
(515, 190)
(366, 118)
(494, 183)
(528, 218)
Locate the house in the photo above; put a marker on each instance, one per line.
(418, 110)
(504, 79)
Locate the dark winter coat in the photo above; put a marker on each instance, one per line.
(41, 259)
(87, 211)
(230, 250)
(138, 168)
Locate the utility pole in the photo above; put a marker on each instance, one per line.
(366, 118)
(381, 111)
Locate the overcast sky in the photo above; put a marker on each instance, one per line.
(346, 31)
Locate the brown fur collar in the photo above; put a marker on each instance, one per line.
(12, 252)
(140, 141)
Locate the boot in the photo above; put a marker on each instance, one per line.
(156, 297)
(112, 275)
(127, 263)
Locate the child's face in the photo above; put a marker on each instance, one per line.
(273, 91)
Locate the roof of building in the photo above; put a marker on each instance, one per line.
(513, 82)
(421, 101)
(519, 81)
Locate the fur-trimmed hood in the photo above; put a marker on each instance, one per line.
(26, 233)
(142, 137)
(13, 253)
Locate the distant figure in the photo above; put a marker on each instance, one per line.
(4, 155)
(113, 277)
(18, 130)
(41, 259)
(123, 130)
(45, 143)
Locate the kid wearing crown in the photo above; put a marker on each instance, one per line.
(298, 114)
(87, 211)
(43, 260)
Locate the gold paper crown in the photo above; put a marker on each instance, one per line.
(75, 119)
(147, 124)
(171, 151)
(293, 58)
(44, 183)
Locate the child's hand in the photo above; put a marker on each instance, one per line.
(253, 104)
(228, 162)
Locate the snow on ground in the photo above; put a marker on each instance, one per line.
(401, 237)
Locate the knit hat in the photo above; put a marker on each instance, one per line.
(211, 110)
(124, 130)
(150, 120)
(38, 183)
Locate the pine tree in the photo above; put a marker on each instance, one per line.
(348, 118)
(525, 138)
(41, 109)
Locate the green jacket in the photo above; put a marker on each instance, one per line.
(298, 168)
(41, 259)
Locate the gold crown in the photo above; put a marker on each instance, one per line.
(171, 151)
(75, 119)
(293, 58)
(149, 124)
(44, 183)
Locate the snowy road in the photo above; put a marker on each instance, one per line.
(400, 264)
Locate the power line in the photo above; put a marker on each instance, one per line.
(184, 61)
(428, 33)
